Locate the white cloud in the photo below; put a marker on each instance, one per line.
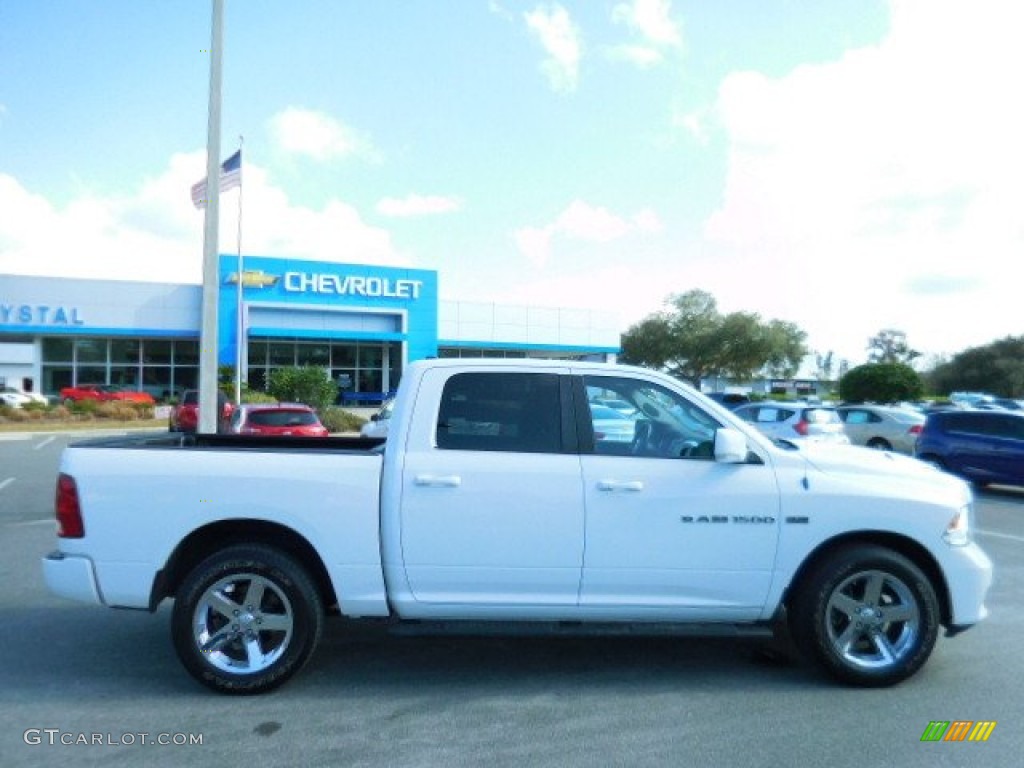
(157, 235)
(896, 162)
(417, 205)
(582, 222)
(638, 55)
(316, 135)
(651, 20)
(560, 39)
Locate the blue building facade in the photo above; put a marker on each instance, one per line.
(362, 323)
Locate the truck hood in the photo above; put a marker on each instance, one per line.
(856, 461)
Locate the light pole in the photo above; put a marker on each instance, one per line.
(208, 410)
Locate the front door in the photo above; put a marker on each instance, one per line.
(670, 531)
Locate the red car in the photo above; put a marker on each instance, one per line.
(292, 419)
(185, 415)
(104, 393)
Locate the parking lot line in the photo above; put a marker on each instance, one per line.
(998, 535)
(45, 442)
(5, 483)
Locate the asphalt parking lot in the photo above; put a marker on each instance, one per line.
(85, 685)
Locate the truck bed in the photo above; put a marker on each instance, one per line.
(171, 440)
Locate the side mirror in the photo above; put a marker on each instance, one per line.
(374, 417)
(730, 446)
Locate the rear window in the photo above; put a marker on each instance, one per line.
(518, 412)
(282, 418)
(821, 416)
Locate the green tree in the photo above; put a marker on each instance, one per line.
(825, 366)
(890, 346)
(997, 367)
(306, 384)
(881, 383)
(692, 340)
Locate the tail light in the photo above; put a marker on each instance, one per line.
(915, 430)
(68, 510)
(801, 427)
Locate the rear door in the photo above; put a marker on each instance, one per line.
(492, 503)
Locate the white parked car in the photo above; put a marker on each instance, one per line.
(15, 398)
(377, 426)
(796, 421)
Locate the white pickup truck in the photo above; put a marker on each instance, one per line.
(503, 499)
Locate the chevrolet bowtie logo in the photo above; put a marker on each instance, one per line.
(254, 278)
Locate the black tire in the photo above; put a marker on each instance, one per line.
(879, 444)
(867, 615)
(250, 647)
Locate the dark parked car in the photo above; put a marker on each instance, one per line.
(982, 446)
(731, 400)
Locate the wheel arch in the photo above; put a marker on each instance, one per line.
(909, 548)
(207, 540)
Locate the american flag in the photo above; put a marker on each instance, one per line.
(230, 177)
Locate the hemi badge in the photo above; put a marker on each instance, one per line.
(803, 520)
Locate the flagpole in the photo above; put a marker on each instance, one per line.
(240, 342)
(208, 343)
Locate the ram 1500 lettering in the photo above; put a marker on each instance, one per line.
(497, 499)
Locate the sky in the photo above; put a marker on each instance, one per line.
(845, 165)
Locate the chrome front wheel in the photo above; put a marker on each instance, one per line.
(868, 615)
(873, 620)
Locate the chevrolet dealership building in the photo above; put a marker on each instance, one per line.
(362, 323)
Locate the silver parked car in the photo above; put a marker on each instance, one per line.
(887, 428)
(611, 425)
(795, 421)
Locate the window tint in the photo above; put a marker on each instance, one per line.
(855, 417)
(664, 425)
(282, 418)
(968, 423)
(518, 412)
(821, 416)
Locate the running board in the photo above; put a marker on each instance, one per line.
(416, 628)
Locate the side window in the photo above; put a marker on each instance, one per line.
(856, 417)
(517, 412)
(748, 414)
(648, 420)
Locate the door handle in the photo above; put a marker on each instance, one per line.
(616, 485)
(438, 481)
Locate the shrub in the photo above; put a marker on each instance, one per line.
(254, 396)
(12, 414)
(308, 384)
(117, 411)
(84, 407)
(340, 420)
(881, 383)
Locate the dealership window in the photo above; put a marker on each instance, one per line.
(356, 366)
(161, 367)
(518, 354)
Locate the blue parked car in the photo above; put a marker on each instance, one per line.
(982, 446)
